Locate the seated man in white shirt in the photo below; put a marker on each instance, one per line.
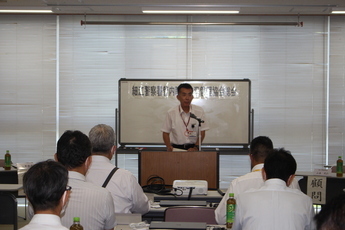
(260, 147)
(93, 204)
(127, 194)
(45, 185)
(275, 205)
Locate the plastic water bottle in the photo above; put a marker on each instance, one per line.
(339, 167)
(76, 224)
(8, 161)
(230, 210)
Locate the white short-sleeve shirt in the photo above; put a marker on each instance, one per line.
(182, 128)
(252, 180)
(274, 206)
(93, 204)
(44, 222)
(127, 194)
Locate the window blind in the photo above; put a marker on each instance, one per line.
(287, 67)
(27, 88)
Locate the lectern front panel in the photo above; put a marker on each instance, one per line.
(179, 166)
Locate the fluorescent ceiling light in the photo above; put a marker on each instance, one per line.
(299, 24)
(25, 10)
(188, 10)
(338, 10)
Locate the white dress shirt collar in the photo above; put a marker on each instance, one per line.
(46, 219)
(76, 176)
(100, 158)
(190, 109)
(257, 167)
(275, 182)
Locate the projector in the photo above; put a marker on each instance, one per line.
(199, 187)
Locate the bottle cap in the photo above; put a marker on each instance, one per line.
(76, 219)
(231, 194)
(339, 157)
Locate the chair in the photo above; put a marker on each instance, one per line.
(8, 210)
(190, 214)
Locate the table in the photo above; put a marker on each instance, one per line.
(10, 187)
(335, 185)
(156, 212)
(212, 196)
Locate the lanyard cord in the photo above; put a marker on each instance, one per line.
(186, 124)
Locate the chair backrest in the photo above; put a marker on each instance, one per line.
(127, 218)
(190, 214)
(8, 210)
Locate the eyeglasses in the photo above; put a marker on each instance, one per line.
(68, 188)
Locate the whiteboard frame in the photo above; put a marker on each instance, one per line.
(123, 144)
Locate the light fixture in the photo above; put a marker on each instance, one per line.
(25, 10)
(338, 10)
(189, 10)
(297, 24)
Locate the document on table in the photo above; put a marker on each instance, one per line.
(179, 150)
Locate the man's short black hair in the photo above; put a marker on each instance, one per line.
(280, 164)
(260, 147)
(44, 184)
(184, 86)
(73, 148)
(332, 214)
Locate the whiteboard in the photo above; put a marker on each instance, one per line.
(143, 105)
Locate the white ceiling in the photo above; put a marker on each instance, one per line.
(246, 7)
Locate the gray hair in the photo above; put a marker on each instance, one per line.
(102, 138)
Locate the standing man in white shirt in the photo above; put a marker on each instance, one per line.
(127, 194)
(275, 205)
(93, 204)
(260, 147)
(180, 130)
(45, 186)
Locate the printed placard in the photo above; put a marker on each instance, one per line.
(316, 189)
(323, 172)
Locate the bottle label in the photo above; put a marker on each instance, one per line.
(340, 167)
(230, 213)
(7, 161)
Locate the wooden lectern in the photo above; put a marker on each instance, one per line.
(179, 166)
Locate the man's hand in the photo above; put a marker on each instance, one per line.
(194, 149)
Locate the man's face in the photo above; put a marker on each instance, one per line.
(185, 96)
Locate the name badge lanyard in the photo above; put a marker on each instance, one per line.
(186, 133)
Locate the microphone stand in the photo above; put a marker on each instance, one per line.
(199, 129)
